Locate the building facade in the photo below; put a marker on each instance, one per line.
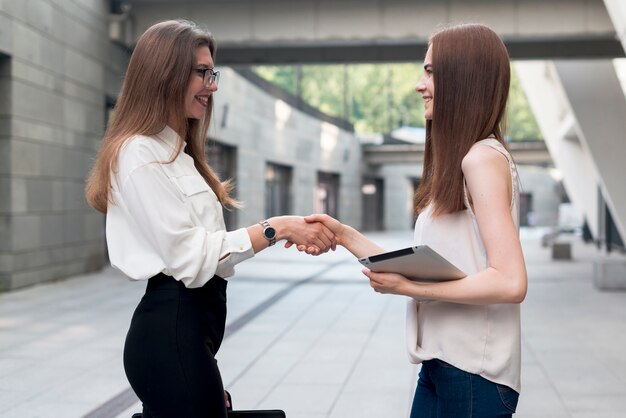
(61, 68)
(60, 72)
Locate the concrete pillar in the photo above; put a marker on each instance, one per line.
(561, 132)
(580, 107)
(617, 14)
(398, 212)
(599, 105)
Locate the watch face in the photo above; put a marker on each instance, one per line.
(270, 233)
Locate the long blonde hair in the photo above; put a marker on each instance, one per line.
(154, 90)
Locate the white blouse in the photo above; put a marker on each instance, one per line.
(166, 219)
(480, 339)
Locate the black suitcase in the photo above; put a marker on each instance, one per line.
(261, 413)
(268, 413)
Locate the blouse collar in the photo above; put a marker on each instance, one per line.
(169, 137)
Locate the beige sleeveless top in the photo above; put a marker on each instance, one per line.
(485, 339)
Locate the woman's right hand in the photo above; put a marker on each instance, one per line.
(336, 227)
(313, 237)
(346, 236)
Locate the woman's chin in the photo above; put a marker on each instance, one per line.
(195, 115)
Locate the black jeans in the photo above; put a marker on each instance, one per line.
(169, 353)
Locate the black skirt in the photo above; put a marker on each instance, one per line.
(169, 354)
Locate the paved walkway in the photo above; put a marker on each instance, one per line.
(308, 335)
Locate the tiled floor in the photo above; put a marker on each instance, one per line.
(327, 347)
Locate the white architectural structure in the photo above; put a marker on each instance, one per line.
(300, 31)
(581, 109)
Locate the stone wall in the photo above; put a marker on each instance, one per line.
(52, 112)
(266, 129)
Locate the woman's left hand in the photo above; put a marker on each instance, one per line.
(392, 283)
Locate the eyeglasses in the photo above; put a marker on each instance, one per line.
(208, 75)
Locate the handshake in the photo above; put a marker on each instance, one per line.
(314, 234)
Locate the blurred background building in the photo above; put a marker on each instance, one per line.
(62, 63)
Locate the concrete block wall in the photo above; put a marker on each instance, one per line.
(265, 129)
(398, 197)
(52, 110)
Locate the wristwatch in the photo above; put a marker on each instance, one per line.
(269, 233)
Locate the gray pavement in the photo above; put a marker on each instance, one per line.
(308, 335)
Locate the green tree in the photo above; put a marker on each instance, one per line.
(282, 76)
(381, 97)
(521, 123)
(322, 87)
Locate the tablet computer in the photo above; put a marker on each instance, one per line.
(420, 263)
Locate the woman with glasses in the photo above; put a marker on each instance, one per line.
(164, 222)
(466, 332)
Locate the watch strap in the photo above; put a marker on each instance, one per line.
(265, 224)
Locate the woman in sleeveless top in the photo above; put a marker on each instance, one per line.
(466, 332)
(164, 222)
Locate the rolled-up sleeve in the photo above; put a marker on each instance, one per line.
(190, 253)
(236, 248)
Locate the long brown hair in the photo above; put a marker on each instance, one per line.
(472, 73)
(154, 89)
